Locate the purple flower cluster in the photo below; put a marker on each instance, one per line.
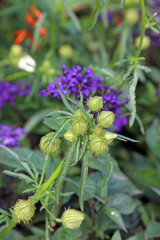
(10, 136)
(9, 91)
(155, 8)
(75, 81)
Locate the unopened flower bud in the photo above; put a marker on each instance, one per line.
(95, 103)
(70, 136)
(98, 144)
(131, 16)
(110, 137)
(145, 44)
(47, 145)
(79, 126)
(106, 119)
(24, 210)
(72, 218)
(66, 51)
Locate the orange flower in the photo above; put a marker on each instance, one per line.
(20, 36)
(43, 31)
(33, 17)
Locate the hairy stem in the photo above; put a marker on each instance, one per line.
(6, 230)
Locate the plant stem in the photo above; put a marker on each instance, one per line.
(142, 28)
(44, 167)
(6, 230)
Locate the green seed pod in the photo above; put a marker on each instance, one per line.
(79, 126)
(47, 146)
(16, 50)
(72, 218)
(98, 144)
(24, 210)
(110, 137)
(106, 119)
(70, 136)
(95, 103)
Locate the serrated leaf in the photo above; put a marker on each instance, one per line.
(115, 216)
(84, 173)
(18, 175)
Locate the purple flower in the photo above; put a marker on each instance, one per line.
(9, 91)
(76, 81)
(10, 136)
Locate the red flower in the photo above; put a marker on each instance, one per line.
(31, 18)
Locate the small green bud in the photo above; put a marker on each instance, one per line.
(72, 218)
(106, 119)
(48, 146)
(24, 210)
(110, 137)
(66, 51)
(70, 136)
(131, 16)
(95, 103)
(79, 126)
(98, 144)
(16, 50)
(98, 131)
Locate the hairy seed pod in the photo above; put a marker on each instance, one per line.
(24, 210)
(98, 144)
(70, 136)
(79, 126)
(47, 145)
(95, 103)
(72, 218)
(110, 137)
(106, 119)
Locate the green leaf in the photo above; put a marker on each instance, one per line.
(115, 216)
(116, 236)
(18, 175)
(110, 168)
(103, 3)
(123, 203)
(15, 156)
(152, 137)
(84, 173)
(66, 103)
(153, 230)
(35, 119)
(67, 234)
(14, 235)
(122, 3)
(88, 188)
(72, 15)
